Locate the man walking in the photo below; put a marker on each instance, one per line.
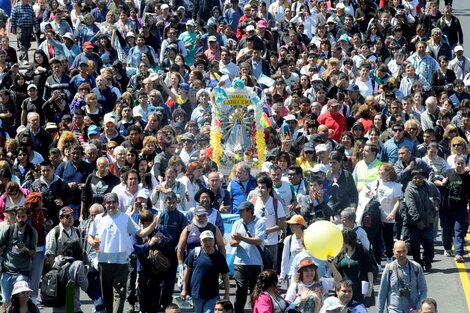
(421, 199)
(203, 266)
(23, 20)
(109, 234)
(403, 285)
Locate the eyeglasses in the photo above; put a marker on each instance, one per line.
(70, 216)
(172, 33)
(398, 130)
(457, 145)
(308, 152)
(291, 174)
(412, 128)
(111, 148)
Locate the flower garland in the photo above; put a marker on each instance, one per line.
(219, 95)
(216, 125)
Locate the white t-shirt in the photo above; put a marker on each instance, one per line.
(387, 194)
(266, 213)
(284, 192)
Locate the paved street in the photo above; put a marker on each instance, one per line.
(448, 283)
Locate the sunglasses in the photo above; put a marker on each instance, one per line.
(457, 145)
(398, 130)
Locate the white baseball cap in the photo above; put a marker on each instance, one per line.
(207, 234)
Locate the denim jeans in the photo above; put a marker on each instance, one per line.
(8, 281)
(204, 305)
(453, 225)
(36, 273)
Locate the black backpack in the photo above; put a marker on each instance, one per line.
(53, 286)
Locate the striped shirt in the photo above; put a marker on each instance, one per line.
(23, 15)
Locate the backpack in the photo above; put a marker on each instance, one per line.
(53, 286)
(371, 218)
(157, 262)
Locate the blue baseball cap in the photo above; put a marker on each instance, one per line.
(93, 130)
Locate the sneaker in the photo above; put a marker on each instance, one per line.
(459, 259)
(448, 253)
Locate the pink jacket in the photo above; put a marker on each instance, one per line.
(3, 200)
(263, 304)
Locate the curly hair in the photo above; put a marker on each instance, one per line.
(65, 139)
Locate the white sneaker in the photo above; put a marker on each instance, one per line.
(448, 253)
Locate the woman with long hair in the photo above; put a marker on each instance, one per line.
(37, 218)
(132, 158)
(21, 299)
(39, 71)
(22, 164)
(103, 45)
(193, 181)
(355, 264)
(265, 297)
(388, 193)
(92, 109)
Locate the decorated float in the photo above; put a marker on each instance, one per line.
(234, 128)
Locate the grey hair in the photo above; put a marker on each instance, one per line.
(97, 206)
(349, 214)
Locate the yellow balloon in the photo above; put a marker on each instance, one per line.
(323, 239)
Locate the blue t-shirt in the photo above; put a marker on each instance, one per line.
(205, 273)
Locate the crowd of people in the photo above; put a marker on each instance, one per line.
(107, 157)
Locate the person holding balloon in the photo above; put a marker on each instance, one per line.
(308, 291)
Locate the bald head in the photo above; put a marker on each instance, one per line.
(400, 251)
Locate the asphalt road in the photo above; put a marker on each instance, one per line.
(448, 283)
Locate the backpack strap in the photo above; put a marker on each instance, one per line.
(197, 252)
(56, 236)
(275, 204)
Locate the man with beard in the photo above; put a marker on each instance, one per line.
(190, 236)
(97, 185)
(18, 246)
(205, 197)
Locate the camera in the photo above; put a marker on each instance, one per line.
(19, 244)
(404, 292)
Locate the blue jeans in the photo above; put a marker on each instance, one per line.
(454, 225)
(36, 273)
(204, 305)
(8, 281)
